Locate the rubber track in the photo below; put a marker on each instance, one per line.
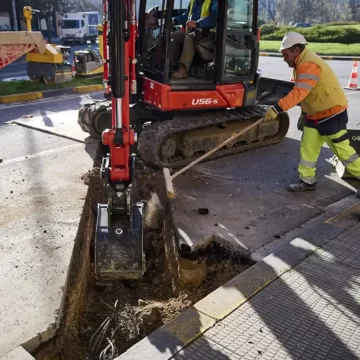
(152, 136)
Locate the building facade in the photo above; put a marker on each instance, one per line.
(9, 22)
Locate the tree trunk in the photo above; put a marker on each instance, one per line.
(49, 27)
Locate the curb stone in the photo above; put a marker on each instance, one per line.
(8, 99)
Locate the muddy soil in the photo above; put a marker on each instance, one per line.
(118, 314)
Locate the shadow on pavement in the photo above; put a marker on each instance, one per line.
(91, 147)
(311, 311)
(170, 345)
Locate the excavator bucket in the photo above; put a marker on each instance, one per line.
(119, 244)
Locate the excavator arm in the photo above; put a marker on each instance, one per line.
(119, 230)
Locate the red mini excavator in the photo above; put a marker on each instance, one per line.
(167, 122)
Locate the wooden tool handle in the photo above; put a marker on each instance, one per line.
(187, 167)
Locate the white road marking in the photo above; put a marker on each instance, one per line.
(42, 153)
(352, 92)
(15, 73)
(63, 123)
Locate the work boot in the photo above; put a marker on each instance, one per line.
(301, 186)
(182, 73)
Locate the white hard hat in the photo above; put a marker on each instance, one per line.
(292, 38)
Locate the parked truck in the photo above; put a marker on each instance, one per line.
(79, 27)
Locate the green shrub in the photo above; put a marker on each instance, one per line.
(341, 23)
(261, 22)
(319, 33)
(268, 29)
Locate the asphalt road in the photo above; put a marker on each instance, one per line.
(14, 139)
(44, 170)
(17, 70)
(42, 193)
(271, 67)
(249, 206)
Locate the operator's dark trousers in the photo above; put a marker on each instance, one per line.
(182, 43)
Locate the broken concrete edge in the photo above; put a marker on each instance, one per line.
(69, 312)
(37, 95)
(325, 57)
(171, 338)
(40, 338)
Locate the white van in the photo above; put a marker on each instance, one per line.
(79, 27)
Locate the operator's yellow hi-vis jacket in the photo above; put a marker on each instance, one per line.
(205, 9)
(316, 88)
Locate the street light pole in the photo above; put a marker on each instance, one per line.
(16, 28)
(267, 10)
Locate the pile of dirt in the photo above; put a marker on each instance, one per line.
(95, 172)
(118, 314)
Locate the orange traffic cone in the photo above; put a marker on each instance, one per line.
(353, 81)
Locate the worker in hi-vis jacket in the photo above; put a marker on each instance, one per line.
(323, 111)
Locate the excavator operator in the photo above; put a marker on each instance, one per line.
(200, 22)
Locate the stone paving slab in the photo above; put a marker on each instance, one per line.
(42, 200)
(310, 312)
(174, 337)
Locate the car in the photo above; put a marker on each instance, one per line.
(302, 25)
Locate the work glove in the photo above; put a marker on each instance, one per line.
(301, 122)
(271, 114)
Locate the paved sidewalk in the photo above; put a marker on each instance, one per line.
(300, 302)
(42, 198)
(310, 312)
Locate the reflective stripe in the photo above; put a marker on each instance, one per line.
(351, 159)
(304, 86)
(307, 163)
(308, 76)
(308, 180)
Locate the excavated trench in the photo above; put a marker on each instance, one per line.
(113, 316)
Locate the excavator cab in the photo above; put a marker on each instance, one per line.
(220, 94)
(226, 54)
